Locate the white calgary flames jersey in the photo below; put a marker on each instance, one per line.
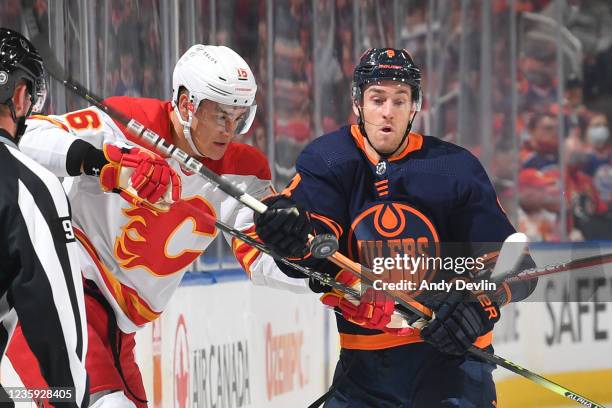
(137, 256)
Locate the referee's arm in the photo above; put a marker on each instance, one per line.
(47, 290)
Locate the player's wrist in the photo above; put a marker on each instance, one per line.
(93, 162)
(83, 157)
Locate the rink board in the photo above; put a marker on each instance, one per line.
(223, 342)
(235, 345)
(568, 342)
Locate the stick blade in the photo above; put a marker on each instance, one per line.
(510, 255)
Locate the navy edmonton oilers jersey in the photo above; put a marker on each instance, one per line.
(433, 192)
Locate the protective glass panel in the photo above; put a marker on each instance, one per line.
(292, 86)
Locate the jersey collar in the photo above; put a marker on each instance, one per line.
(415, 142)
(6, 138)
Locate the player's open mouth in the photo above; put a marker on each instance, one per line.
(386, 129)
(220, 144)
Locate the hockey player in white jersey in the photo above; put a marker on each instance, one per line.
(136, 246)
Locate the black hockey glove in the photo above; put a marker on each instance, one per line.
(459, 320)
(284, 227)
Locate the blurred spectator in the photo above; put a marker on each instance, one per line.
(539, 183)
(539, 204)
(10, 14)
(591, 22)
(597, 136)
(576, 114)
(537, 82)
(127, 85)
(598, 162)
(542, 147)
(587, 212)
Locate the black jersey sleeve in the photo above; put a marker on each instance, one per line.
(479, 219)
(316, 189)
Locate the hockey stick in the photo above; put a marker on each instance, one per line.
(323, 278)
(510, 254)
(581, 263)
(193, 165)
(485, 355)
(186, 161)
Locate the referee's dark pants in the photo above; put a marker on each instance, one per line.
(411, 376)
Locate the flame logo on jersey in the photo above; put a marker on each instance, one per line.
(145, 239)
(386, 230)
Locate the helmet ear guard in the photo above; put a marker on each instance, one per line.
(19, 60)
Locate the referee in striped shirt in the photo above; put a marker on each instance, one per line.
(40, 278)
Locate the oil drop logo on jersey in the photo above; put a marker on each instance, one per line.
(388, 229)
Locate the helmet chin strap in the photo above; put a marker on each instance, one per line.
(19, 121)
(382, 155)
(187, 127)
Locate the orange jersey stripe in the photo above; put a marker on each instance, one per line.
(48, 119)
(376, 341)
(134, 307)
(294, 183)
(243, 252)
(381, 182)
(387, 340)
(415, 142)
(333, 225)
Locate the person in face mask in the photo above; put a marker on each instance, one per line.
(597, 136)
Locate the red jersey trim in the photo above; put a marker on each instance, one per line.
(132, 305)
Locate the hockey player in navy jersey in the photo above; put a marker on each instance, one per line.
(378, 185)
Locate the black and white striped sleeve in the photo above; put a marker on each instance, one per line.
(47, 290)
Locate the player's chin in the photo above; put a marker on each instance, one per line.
(217, 150)
(386, 143)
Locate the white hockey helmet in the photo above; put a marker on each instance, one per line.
(216, 73)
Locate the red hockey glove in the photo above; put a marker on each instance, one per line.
(374, 310)
(140, 177)
(459, 320)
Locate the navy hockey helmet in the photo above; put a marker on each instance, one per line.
(377, 64)
(19, 60)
